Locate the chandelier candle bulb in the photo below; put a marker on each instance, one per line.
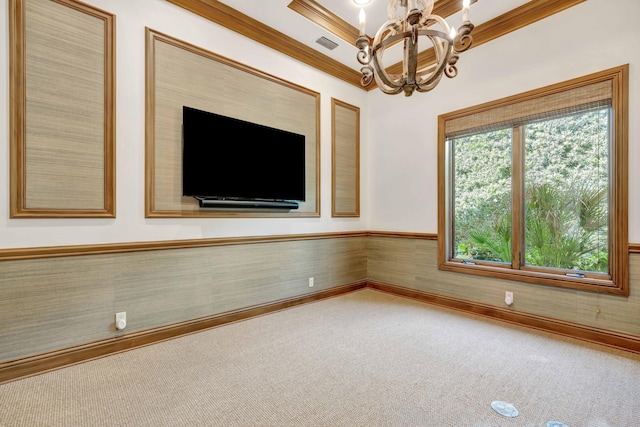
(362, 24)
(465, 10)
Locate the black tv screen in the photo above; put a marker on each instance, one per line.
(227, 158)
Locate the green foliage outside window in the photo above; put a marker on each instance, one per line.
(565, 193)
(483, 196)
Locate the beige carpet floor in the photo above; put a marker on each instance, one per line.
(361, 359)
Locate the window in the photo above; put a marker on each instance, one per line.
(534, 187)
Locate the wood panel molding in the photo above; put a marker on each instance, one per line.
(331, 22)
(607, 338)
(290, 107)
(403, 235)
(445, 8)
(19, 123)
(326, 19)
(230, 18)
(345, 159)
(41, 363)
(113, 248)
(10, 254)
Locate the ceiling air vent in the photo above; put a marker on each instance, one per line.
(325, 42)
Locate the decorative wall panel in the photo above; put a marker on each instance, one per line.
(180, 74)
(345, 195)
(62, 109)
(52, 303)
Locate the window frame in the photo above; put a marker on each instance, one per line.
(617, 281)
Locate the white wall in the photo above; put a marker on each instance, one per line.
(399, 135)
(132, 16)
(592, 36)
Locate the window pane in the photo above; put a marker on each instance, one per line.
(482, 196)
(566, 192)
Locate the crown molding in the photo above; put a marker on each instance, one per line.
(324, 18)
(506, 23)
(234, 20)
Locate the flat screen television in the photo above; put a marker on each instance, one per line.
(228, 162)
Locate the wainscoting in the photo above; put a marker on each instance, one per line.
(57, 305)
(54, 303)
(412, 264)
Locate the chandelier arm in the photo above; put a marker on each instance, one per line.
(389, 28)
(384, 81)
(451, 70)
(430, 86)
(377, 45)
(389, 91)
(443, 51)
(464, 40)
(436, 33)
(363, 57)
(367, 75)
(435, 76)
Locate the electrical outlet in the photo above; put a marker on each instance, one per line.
(508, 298)
(311, 282)
(121, 320)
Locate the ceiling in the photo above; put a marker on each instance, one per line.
(278, 15)
(294, 26)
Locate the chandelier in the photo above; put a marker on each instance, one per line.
(416, 21)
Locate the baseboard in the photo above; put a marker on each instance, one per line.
(38, 364)
(605, 337)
